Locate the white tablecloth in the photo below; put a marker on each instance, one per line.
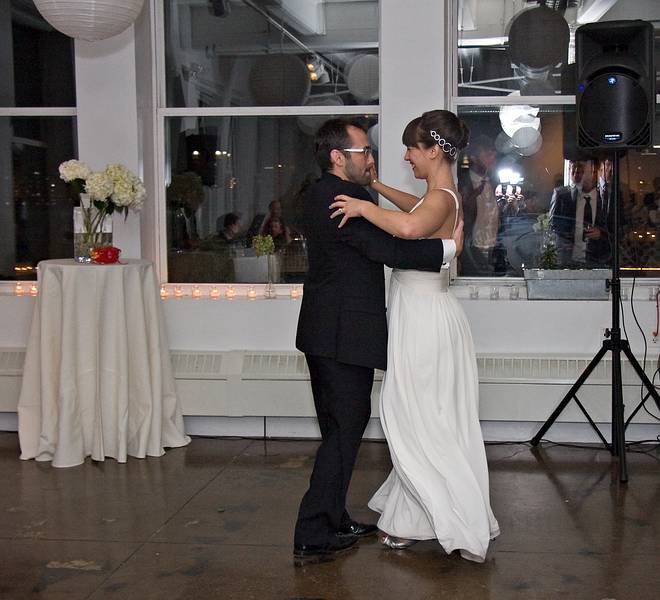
(97, 379)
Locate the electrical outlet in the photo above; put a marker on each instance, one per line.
(654, 340)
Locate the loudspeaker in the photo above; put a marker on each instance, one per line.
(615, 97)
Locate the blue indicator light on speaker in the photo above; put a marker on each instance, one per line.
(581, 87)
(611, 80)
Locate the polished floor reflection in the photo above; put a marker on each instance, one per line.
(215, 520)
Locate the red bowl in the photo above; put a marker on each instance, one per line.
(106, 255)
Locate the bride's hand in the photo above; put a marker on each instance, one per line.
(373, 175)
(347, 207)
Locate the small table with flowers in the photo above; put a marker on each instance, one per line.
(97, 379)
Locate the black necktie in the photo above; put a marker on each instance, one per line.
(588, 218)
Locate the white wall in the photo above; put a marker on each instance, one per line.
(412, 78)
(107, 117)
(504, 327)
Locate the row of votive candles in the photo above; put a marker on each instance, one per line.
(494, 292)
(25, 287)
(216, 292)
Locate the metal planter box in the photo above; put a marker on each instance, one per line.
(567, 284)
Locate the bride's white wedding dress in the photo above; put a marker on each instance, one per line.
(429, 411)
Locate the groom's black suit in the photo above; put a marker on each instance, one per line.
(342, 329)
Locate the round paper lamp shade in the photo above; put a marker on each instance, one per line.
(525, 137)
(529, 139)
(90, 20)
(373, 134)
(279, 80)
(362, 78)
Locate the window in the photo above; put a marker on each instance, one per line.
(513, 85)
(247, 85)
(37, 132)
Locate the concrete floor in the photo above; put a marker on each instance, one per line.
(215, 520)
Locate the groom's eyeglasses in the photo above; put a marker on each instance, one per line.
(367, 150)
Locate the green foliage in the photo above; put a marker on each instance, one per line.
(263, 244)
(548, 259)
(185, 190)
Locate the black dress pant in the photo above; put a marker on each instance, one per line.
(342, 397)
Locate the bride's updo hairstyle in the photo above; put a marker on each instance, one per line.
(440, 127)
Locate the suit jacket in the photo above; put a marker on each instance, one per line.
(343, 308)
(563, 206)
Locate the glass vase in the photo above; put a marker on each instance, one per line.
(273, 276)
(92, 228)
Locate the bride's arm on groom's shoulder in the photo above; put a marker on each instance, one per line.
(422, 223)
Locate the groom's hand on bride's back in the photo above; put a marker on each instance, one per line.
(457, 236)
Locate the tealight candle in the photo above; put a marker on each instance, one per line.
(163, 292)
(295, 293)
(229, 292)
(178, 291)
(34, 290)
(214, 293)
(19, 289)
(196, 292)
(252, 293)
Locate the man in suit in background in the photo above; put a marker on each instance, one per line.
(580, 219)
(342, 330)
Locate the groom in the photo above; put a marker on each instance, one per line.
(342, 330)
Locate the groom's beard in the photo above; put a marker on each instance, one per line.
(356, 174)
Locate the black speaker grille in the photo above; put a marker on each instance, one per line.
(643, 138)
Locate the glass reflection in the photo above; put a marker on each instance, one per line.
(36, 214)
(36, 61)
(509, 46)
(233, 179)
(531, 200)
(254, 53)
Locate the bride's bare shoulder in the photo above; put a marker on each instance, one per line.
(443, 196)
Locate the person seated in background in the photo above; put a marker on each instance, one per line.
(231, 227)
(274, 213)
(230, 237)
(255, 228)
(579, 218)
(280, 233)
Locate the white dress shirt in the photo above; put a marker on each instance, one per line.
(580, 245)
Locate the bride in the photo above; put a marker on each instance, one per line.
(429, 403)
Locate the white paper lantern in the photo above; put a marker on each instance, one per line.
(362, 78)
(90, 20)
(373, 133)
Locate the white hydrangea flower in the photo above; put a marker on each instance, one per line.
(99, 186)
(128, 188)
(74, 169)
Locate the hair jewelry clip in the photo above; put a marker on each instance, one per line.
(443, 143)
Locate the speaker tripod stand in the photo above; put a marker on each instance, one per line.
(617, 345)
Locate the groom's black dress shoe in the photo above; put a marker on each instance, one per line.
(358, 529)
(305, 553)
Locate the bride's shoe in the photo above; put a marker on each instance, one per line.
(396, 543)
